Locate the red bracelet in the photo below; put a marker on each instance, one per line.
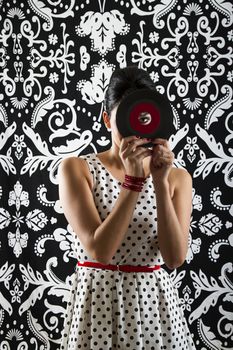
(134, 179)
(133, 183)
(131, 187)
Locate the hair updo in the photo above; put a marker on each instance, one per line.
(124, 81)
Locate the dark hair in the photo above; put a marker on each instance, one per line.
(122, 82)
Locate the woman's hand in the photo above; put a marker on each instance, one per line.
(161, 160)
(132, 154)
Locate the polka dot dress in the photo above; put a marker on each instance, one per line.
(121, 310)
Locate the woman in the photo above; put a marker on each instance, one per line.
(130, 211)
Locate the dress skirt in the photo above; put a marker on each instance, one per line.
(120, 310)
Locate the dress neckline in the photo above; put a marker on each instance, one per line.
(107, 171)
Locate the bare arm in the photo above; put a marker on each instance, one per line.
(101, 239)
(174, 218)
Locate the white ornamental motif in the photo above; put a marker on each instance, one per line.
(158, 10)
(205, 165)
(17, 241)
(18, 197)
(35, 219)
(102, 29)
(93, 91)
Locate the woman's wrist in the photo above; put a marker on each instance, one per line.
(133, 183)
(134, 172)
(161, 184)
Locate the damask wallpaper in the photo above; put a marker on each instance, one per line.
(56, 58)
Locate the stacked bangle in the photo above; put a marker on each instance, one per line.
(133, 183)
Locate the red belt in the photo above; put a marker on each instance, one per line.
(123, 268)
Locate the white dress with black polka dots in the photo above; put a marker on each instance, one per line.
(124, 310)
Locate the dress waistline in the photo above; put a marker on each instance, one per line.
(123, 268)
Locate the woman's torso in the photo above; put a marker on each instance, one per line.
(140, 244)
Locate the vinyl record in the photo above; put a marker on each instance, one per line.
(145, 113)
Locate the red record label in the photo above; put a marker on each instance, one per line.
(137, 113)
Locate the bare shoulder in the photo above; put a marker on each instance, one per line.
(179, 177)
(71, 164)
(74, 167)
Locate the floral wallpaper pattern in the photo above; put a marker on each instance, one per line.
(56, 59)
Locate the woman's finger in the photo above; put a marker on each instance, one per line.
(161, 154)
(168, 160)
(126, 141)
(162, 151)
(131, 140)
(132, 146)
(141, 151)
(164, 155)
(162, 142)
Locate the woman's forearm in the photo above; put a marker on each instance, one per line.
(172, 241)
(109, 235)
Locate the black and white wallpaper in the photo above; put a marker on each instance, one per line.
(56, 59)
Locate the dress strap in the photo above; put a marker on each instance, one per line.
(91, 162)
